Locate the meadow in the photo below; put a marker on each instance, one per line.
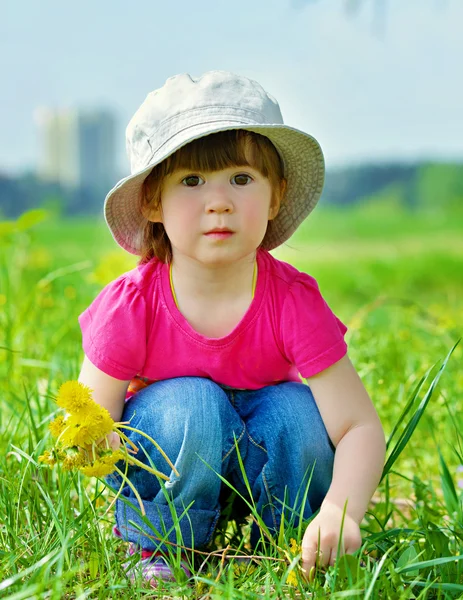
(395, 277)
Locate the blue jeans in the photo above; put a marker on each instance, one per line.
(280, 436)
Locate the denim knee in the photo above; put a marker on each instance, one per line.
(287, 416)
(288, 437)
(185, 415)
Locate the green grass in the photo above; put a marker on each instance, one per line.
(395, 278)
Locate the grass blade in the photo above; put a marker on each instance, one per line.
(412, 424)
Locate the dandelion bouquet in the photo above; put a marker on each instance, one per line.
(81, 438)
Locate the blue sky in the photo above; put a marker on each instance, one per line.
(378, 84)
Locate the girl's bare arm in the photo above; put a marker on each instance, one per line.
(355, 430)
(107, 391)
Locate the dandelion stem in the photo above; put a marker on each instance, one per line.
(130, 484)
(134, 461)
(121, 486)
(127, 439)
(155, 444)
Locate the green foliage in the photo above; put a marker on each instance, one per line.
(440, 187)
(433, 187)
(394, 276)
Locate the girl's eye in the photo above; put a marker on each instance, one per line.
(192, 180)
(241, 179)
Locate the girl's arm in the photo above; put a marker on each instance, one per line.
(107, 391)
(355, 430)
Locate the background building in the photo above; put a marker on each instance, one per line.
(77, 148)
(58, 141)
(96, 150)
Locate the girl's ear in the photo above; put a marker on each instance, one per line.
(152, 214)
(277, 200)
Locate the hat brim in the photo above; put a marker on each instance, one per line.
(304, 168)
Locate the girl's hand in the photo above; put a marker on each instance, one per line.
(114, 441)
(326, 527)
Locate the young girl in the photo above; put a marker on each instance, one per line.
(204, 344)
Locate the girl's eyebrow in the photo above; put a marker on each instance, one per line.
(182, 172)
(229, 167)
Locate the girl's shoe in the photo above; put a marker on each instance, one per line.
(152, 567)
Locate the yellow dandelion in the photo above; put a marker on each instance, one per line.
(111, 458)
(97, 469)
(73, 459)
(81, 437)
(74, 396)
(57, 426)
(294, 546)
(67, 465)
(292, 579)
(84, 429)
(48, 458)
(73, 433)
(100, 421)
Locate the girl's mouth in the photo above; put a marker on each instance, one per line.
(219, 234)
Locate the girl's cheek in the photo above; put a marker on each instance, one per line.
(255, 211)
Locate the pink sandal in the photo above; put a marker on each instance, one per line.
(152, 566)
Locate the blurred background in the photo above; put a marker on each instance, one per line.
(377, 82)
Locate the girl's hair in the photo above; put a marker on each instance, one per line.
(209, 153)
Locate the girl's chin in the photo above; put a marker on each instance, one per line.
(218, 257)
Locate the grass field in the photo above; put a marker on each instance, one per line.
(395, 278)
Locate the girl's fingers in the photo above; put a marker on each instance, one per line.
(335, 555)
(318, 558)
(324, 555)
(350, 550)
(314, 558)
(309, 556)
(114, 441)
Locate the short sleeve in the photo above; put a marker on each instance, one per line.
(114, 330)
(312, 336)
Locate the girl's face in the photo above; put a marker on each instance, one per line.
(216, 217)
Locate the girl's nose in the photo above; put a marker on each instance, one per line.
(218, 200)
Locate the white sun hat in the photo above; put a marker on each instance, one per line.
(186, 108)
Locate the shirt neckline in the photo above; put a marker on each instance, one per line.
(246, 320)
(174, 297)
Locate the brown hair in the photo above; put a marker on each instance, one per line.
(214, 152)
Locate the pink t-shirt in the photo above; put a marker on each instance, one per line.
(133, 330)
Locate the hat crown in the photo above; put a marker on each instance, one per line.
(185, 101)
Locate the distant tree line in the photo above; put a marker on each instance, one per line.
(418, 185)
(19, 194)
(413, 185)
